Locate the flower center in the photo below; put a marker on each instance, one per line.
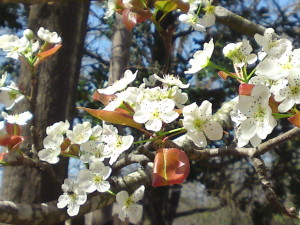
(260, 114)
(13, 94)
(98, 179)
(198, 124)
(210, 9)
(128, 202)
(236, 56)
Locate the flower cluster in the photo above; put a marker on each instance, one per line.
(276, 83)
(89, 143)
(156, 106)
(92, 145)
(27, 48)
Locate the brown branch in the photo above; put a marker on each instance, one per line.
(237, 22)
(266, 146)
(198, 210)
(263, 175)
(48, 213)
(233, 150)
(130, 159)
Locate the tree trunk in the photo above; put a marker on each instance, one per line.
(121, 43)
(54, 98)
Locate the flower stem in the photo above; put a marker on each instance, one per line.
(222, 69)
(112, 193)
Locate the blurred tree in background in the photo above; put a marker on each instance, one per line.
(221, 190)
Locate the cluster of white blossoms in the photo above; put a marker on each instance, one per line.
(191, 18)
(92, 145)
(151, 105)
(159, 105)
(89, 143)
(27, 46)
(277, 76)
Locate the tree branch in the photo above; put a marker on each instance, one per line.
(48, 213)
(237, 22)
(263, 175)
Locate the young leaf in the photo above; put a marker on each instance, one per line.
(105, 99)
(295, 120)
(11, 141)
(119, 116)
(45, 54)
(133, 16)
(245, 89)
(13, 129)
(171, 166)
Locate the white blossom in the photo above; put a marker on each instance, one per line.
(171, 80)
(58, 128)
(51, 149)
(154, 113)
(94, 178)
(111, 8)
(193, 20)
(194, 4)
(3, 78)
(271, 44)
(73, 197)
(151, 81)
(127, 206)
(209, 17)
(199, 123)
(258, 118)
(120, 84)
(289, 95)
(13, 45)
(20, 119)
(93, 151)
(115, 144)
(275, 68)
(201, 58)
(240, 53)
(80, 134)
(10, 95)
(50, 37)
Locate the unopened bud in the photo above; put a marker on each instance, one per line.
(28, 34)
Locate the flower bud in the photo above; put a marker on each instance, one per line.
(28, 34)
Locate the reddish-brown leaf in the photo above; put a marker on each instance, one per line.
(13, 129)
(295, 120)
(119, 116)
(105, 99)
(132, 16)
(11, 141)
(45, 54)
(245, 89)
(171, 166)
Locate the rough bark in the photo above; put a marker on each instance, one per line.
(54, 98)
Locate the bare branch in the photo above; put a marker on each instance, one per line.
(198, 210)
(263, 175)
(237, 22)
